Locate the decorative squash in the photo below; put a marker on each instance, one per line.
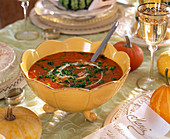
(19, 123)
(160, 100)
(76, 4)
(163, 62)
(134, 52)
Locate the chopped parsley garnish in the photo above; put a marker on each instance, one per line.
(40, 76)
(48, 84)
(81, 53)
(89, 82)
(100, 63)
(81, 85)
(102, 81)
(63, 55)
(45, 68)
(87, 79)
(112, 68)
(71, 77)
(67, 81)
(58, 66)
(113, 79)
(44, 60)
(50, 63)
(103, 57)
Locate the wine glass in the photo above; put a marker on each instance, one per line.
(26, 34)
(153, 19)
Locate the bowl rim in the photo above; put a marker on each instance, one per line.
(71, 88)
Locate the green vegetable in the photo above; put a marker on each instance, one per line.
(40, 76)
(76, 4)
(50, 63)
(48, 84)
(112, 68)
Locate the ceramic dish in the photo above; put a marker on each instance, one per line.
(57, 12)
(66, 99)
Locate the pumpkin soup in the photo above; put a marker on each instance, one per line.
(74, 69)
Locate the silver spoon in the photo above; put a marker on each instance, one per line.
(104, 42)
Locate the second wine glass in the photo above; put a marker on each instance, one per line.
(26, 34)
(153, 18)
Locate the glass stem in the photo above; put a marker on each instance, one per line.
(152, 50)
(25, 8)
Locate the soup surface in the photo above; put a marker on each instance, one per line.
(74, 69)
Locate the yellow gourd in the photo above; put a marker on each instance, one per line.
(19, 123)
(163, 62)
(160, 100)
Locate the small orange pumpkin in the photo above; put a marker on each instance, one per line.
(134, 52)
(19, 123)
(160, 100)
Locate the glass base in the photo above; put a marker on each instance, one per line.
(26, 35)
(147, 83)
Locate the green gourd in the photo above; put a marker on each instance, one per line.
(76, 4)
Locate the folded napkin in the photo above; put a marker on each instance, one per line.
(96, 4)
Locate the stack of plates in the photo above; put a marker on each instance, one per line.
(46, 15)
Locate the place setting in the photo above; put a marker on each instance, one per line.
(94, 19)
(69, 86)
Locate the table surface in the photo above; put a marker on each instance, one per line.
(73, 125)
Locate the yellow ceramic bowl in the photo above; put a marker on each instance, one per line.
(74, 99)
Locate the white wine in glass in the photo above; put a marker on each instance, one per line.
(153, 19)
(26, 34)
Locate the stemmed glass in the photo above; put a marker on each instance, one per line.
(153, 19)
(26, 34)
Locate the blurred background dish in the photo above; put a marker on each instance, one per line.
(60, 14)
(10, 75)
(81, 27)
(8, 63)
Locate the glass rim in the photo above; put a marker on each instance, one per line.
(153, 3)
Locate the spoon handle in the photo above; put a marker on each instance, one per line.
(104, 42)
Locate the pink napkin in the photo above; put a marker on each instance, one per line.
(96, 4)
